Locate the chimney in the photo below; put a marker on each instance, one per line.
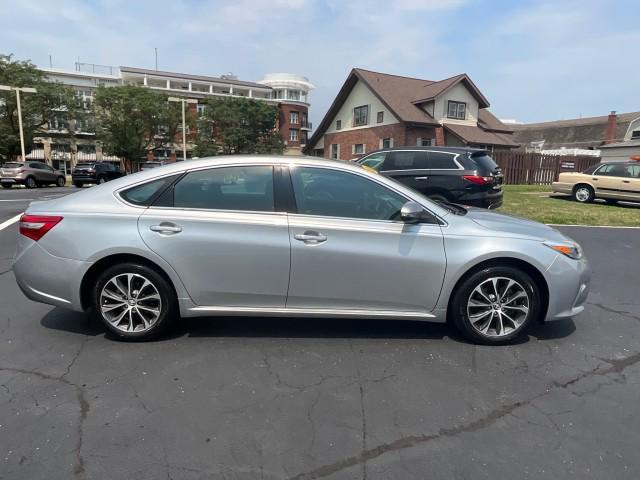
(612, 121)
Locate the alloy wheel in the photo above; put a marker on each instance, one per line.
(498, 306)
(130, 302)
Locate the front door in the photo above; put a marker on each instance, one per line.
(220, 233)
(349, 249)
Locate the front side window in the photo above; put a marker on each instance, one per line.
(361, 115)
(406, 160)
(227, 188)
(373, 161)
(457, 110)
(611, 170)
(332, 193)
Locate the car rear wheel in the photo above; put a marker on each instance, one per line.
(101, 180)
(494, 305)
(134, 302)
(31, 182)
(61, 181)
(584, 194)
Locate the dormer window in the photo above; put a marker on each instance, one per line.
(457, 110)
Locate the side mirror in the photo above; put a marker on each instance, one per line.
(412, 212)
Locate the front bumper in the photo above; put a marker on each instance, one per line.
(46, 278)
(568, 281)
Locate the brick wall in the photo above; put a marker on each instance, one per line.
(372, 137)
(284, 125)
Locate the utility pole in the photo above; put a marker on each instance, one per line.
(184, 101)
(18, 90)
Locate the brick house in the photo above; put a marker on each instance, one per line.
(376, 110)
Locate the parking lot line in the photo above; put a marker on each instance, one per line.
(591, 226)
(10, 222)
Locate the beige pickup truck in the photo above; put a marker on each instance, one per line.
(613, 182)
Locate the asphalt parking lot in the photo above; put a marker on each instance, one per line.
(264, 398)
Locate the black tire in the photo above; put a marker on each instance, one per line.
(461, 304)
(167, 304)
(30, 182)
(101, 180)
(583, 193)
(7, 185)
(60, 182)
(78, 184)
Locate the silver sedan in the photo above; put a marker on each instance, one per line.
(282, 236)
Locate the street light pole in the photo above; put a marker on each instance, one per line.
(184, 101)
(18, 90)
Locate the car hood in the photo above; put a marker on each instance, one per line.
(508, 225)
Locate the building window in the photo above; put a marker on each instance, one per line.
(293, 134)
(361, 115)
(380, 118)
(424, 142)
(293, 95)
(457, 110)
(335, 151)
(293, 117)
(338, 124)
(358, 148)
(387, 142)
(635, 135)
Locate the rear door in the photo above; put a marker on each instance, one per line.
(219, 230)
(631, 182)
(607, 180)
(409, 167)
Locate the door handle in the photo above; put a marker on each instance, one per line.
(166, 227)
(310, 237)
(421, 178)
(626, 181)
(594, 179)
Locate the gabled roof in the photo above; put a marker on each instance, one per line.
(403, 96)
(474, 135)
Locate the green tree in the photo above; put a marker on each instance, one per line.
(131, 120)
(236, 126)
(51, 100)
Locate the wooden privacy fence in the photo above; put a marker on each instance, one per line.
(520, 168)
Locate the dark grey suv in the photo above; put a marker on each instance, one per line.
(459, 175)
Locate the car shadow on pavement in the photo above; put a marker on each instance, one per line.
(599, 201)
(281, 327)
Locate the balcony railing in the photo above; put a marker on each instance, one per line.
(307, 126)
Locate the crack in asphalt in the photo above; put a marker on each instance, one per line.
(624, 313)
(616, 365)
(83, 404)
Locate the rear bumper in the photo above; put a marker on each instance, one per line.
(83, 179)
(488, 199)
(568, 281)
(560, 187)
(12, 180)
(46, 278)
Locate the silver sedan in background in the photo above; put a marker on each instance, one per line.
(283, 236)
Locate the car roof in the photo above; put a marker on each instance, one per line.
(432, 148)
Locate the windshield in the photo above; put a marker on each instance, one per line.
(12, 165)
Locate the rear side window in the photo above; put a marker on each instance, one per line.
(612, 170)
(145, 194)
(227, 188)
(484, 161)
(441, 161)
(406, 160)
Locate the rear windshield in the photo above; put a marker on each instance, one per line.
(484, 161)
(12, 165)
(84, 165)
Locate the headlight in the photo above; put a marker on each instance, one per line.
(571, 250)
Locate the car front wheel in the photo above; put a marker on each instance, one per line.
(60, 181)
(494, 305)
(31, 183)
(134, 302)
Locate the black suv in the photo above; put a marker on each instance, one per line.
(97, 172)
(451, 174)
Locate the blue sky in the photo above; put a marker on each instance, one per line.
(533, 60)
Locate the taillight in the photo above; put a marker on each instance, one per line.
(35, 226)
(478, 180)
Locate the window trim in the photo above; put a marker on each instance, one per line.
(456, 102)
(380, 117)
(455, 159)
(366, 122)
(339, 124)
(438, 219)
